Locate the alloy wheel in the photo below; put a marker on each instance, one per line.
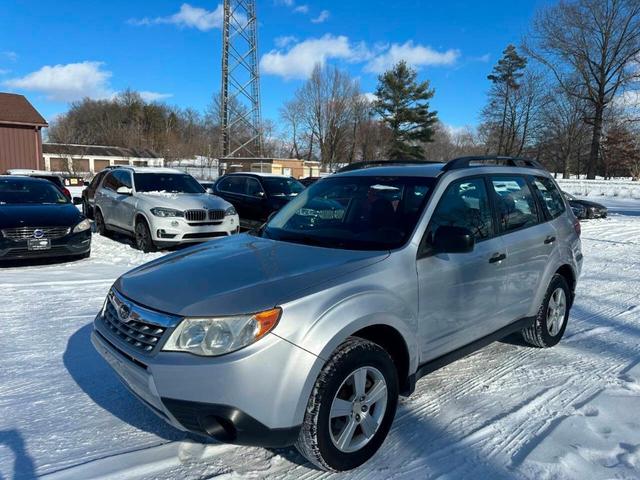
(556, 311)
(358, 409)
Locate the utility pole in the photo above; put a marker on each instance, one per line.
(241, 113)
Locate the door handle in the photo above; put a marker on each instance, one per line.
(549, 240)
(498, 257)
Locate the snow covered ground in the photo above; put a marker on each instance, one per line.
(509, 411)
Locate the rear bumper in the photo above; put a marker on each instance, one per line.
(70, 245)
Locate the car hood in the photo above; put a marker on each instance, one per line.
(236, 275)
(587, 203)
(63, 215)
(184, 201)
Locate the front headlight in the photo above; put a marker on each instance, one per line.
(217, 336)
(166, 212)
(230, 211)
(83, 226)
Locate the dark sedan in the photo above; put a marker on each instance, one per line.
(585, 209)
(38, 221)
(256, 196)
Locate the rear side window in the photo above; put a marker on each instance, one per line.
(465, 204)
(550, 197)
(254, 189)
(515, 204)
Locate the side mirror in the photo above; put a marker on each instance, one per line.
(210, 191)
(77, 201)
(124, 191)
(450, 239)
(85, 183)
(271, 215)
(261, 194)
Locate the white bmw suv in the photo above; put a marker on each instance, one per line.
(161, 207)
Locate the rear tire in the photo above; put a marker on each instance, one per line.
(144, 242)
(87, 210)
(351, 408)
(551, 320)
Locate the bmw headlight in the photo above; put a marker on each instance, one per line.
(230, 212)
(166, 212)
(217, 336)
(83, 226)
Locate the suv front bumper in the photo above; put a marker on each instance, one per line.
(176, 230)
(255, 396)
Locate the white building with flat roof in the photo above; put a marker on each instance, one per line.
(89, 159)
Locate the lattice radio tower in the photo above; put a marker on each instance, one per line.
(241, 115)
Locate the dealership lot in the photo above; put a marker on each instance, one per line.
(508, 411)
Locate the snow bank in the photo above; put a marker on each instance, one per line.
(601, 188)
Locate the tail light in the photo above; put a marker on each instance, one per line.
(577, 227)
(66, 192)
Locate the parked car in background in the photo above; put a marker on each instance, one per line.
(57, 180)
(585, 209)
(37, 220)
(209, 186)
(257, 195)
(362, 284)
(89, 193)
(161, 207)
(307, 182)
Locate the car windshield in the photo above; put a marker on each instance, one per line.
(356, 213)
(14, 192)
(282, 187)
(167, 183)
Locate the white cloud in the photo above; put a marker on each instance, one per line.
(301, 9)
(415, 55)
(484, 58)
(629, 99)
(13, 56)
(323, 17)
(300, 60)
(67, 83)
(154, 96)
(285, 41)
(188, 17)
(74, 81)
(370, 97)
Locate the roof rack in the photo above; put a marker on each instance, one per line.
(382, 163)
(481, 161)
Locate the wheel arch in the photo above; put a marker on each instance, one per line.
(392, 341)
(569, 275)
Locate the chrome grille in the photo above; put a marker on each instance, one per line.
(216, 215)
(142, 329)
(24, 233)
(195, 215)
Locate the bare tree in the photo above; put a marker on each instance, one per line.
(328, 100)
(564, 134)
(511, 118)
(590, 47)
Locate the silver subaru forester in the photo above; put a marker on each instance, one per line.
(307, 330)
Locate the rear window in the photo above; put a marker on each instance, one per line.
(549, 196)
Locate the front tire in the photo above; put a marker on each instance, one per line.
(144, 242)
(101, 227)
(351, 408)
(551, 321)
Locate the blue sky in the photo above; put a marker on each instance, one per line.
(61, 50)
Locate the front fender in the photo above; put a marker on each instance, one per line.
(338, 319)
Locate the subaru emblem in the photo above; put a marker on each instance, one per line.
(124, 313)
(37, 233)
